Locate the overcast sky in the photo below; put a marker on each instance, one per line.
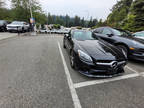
(83, 8)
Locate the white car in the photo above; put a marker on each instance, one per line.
(43, 30)
(18, 26)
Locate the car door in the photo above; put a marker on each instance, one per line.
(70, 41)
(106, 34)
(25, 25)
(67, 40)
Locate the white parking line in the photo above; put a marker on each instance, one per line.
(95, 82)
(142, 74)
(131, 69)
(74, 95)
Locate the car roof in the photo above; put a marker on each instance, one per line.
(139, 32)
(81, 30)
(102, 28)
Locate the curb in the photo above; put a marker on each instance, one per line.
(7, 37)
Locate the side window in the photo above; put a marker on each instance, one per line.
(70, 33)
(106, 31)
(98, 30)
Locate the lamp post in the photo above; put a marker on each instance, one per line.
(31, 19)
(30, 8)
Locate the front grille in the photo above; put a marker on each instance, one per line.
(12, 27)
(104, 61)
(107, 72)
(141, 50)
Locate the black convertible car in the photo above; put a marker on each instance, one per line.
(92, 57)
(132, 46)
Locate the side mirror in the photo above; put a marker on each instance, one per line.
(66, 35)
(134, 35)
(69, 37)
(110, 35)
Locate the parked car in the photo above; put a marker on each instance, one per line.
(3, 25)
(18, 26)
(66, 31)
(93, 57)
(43, 30)
(53, 31)
(131, 46)
(139, 35)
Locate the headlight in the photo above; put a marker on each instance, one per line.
(136, 45)
(134, 42)
(84, 56)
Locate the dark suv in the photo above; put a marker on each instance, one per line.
(128, 44)
(3, 25)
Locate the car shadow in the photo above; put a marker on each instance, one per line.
(136, 62)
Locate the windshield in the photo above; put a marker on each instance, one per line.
(17, 23)
(120, 32)
(139, 34)
(1, 21)
(83, 35)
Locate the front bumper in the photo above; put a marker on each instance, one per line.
(137, 55)
(14, 29)
(100, 71)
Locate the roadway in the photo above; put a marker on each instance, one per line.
(35, 73)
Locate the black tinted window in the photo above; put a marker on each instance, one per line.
(83, 35)
(120, 32)
(106, 31)
(98, 30)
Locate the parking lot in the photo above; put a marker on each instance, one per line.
(35, 72)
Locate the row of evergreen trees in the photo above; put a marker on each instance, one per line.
(71, 21)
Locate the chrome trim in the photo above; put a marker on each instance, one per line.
(111, 63)
(122, 62)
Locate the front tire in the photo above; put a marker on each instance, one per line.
(64, 44)
(73, 60)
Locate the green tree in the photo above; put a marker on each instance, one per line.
(59, 21)
(77, 21)
(90, 24)
(21, 9)
(83, 22)
(138, 12)
(119, 12)
(67, 21)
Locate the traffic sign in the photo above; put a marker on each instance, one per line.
(32, 20)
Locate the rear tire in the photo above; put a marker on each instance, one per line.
(64, 44)
(123, 49)
(22, 30)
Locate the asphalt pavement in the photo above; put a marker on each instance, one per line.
(35, 73)
(6, 35)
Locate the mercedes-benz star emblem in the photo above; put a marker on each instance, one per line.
(114, 64)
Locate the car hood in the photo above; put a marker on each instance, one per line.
(141, 41)
(99, 50)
